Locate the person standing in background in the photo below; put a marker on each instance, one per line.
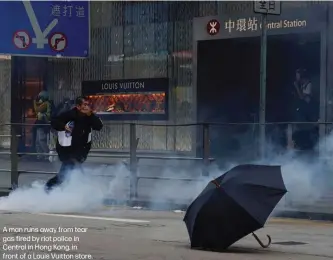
(303, 91)
(304, 134)
(42, 109)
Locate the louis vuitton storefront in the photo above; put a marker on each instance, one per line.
(213, 75)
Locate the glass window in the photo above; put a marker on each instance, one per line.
(147, 12)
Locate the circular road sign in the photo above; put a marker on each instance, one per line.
(58, 42)
(21, 39)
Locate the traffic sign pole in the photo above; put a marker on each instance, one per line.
(264, 8)
(263, 76)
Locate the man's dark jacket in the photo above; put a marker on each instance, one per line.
(80, 144)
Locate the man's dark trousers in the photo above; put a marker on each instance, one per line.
(65, 169)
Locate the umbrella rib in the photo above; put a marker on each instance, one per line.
(263, 186)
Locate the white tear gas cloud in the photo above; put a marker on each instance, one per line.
(304, 177)
(80, 193)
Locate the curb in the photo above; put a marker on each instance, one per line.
(295, 221)
(4, 192)
(321, 216)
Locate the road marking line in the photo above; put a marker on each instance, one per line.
(299, 221)
(96, 217)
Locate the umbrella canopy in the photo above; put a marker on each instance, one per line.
(234, 205)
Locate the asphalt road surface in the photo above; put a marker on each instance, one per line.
(132, 234)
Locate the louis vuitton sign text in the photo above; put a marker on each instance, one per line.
(93, 87)
(134, 85)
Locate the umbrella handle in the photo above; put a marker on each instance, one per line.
(216, 183)
(261, 243)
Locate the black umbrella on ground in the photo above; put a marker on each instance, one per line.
(234, 205)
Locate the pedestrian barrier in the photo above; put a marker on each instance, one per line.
(134, 157)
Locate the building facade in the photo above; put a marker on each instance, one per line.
(150, 40)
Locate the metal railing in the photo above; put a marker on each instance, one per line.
(134, 157)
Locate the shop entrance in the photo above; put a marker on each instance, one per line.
(228, 90)
(28, 80)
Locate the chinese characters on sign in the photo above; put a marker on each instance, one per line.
(241, 25)
(252, 24)
(68, 10)
(267, 7)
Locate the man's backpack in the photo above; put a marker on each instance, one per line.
(53, 108)
(64, 106)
